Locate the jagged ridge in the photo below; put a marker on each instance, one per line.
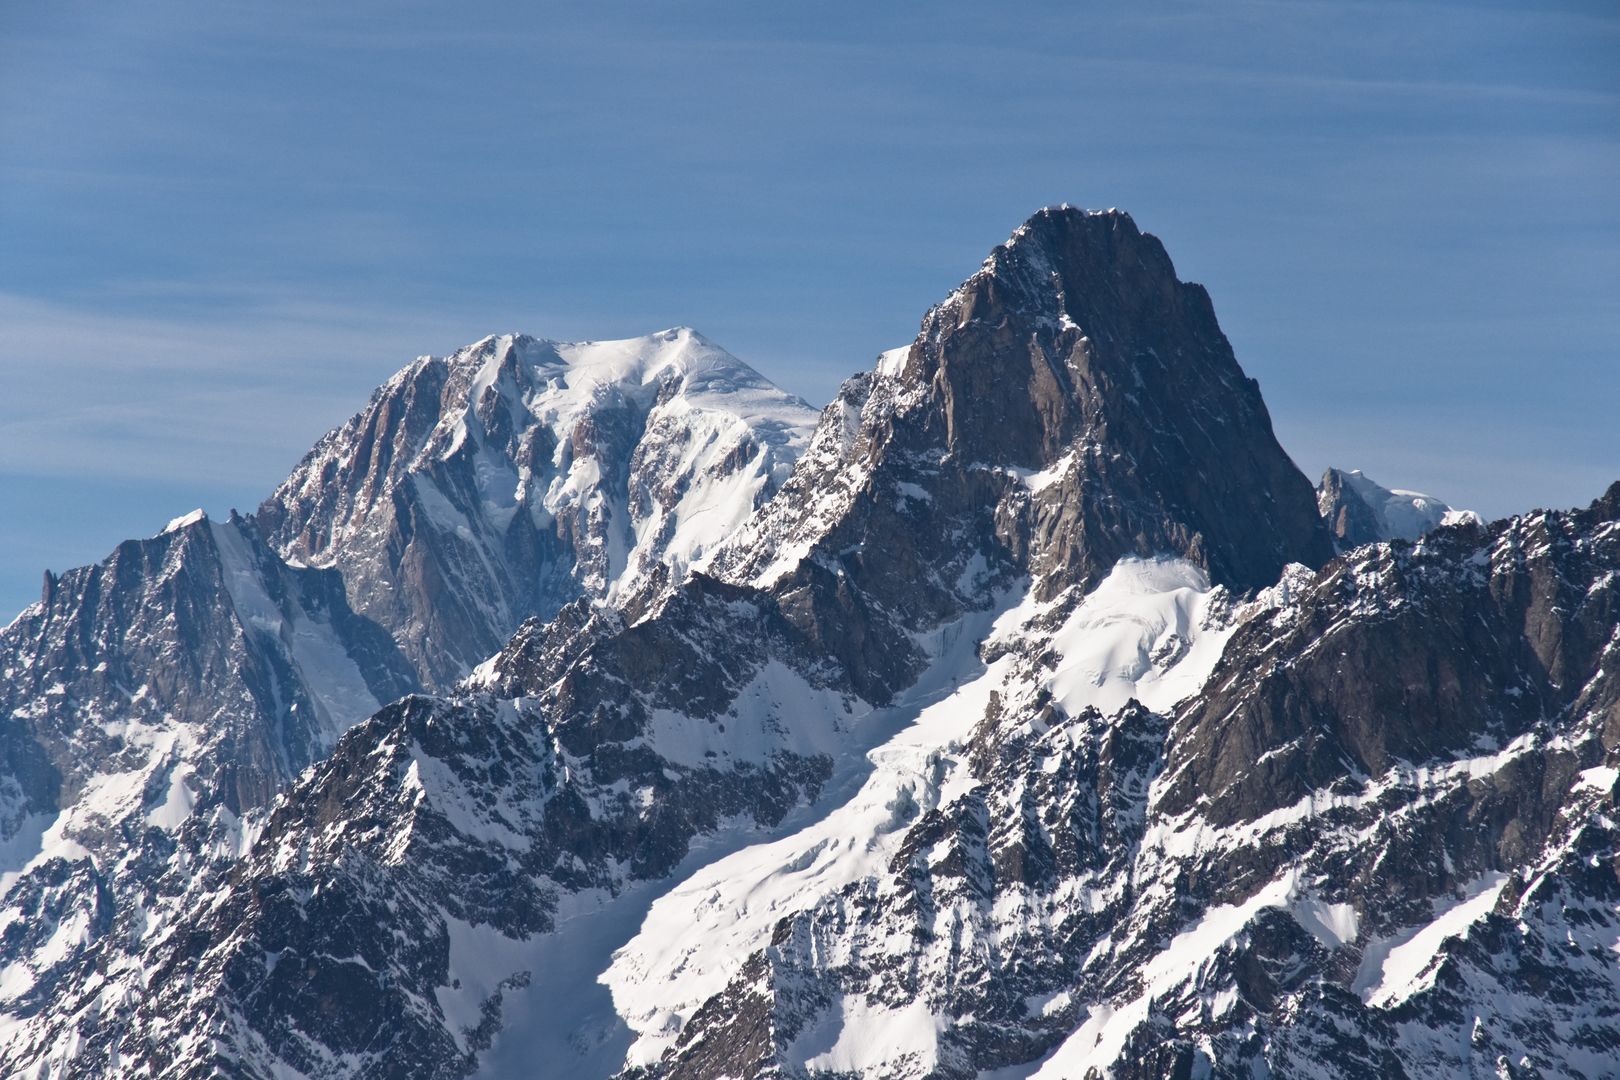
(1006, 565)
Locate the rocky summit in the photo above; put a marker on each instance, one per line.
(599, 710)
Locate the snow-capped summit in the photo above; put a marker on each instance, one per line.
(183, 520)
(517, 474)
(1358, 510)
(564, 380)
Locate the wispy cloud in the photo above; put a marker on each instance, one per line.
(225, 397)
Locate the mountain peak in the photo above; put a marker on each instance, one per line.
(1051, 222)
(520, 473)
(1070, 404)
(576, 370)
(1359, 510)
(1075, 344)
(1077, 311)
(1065, 246)
(184, 520)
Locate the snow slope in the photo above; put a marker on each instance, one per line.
(1152, 630)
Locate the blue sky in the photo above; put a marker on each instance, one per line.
(222, 224)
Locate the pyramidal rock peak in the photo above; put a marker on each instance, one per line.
(601, 710)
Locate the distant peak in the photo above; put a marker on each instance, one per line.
(1359, 510)
(516, 371)
(574, 352)
(184, 521)
(493, 341)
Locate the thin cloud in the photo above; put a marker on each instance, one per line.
(230, 396)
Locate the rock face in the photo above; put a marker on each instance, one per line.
(198, 651)
(153, 706)
(1030, 725)
(1359, 511)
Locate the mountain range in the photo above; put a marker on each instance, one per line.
(601, 709)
